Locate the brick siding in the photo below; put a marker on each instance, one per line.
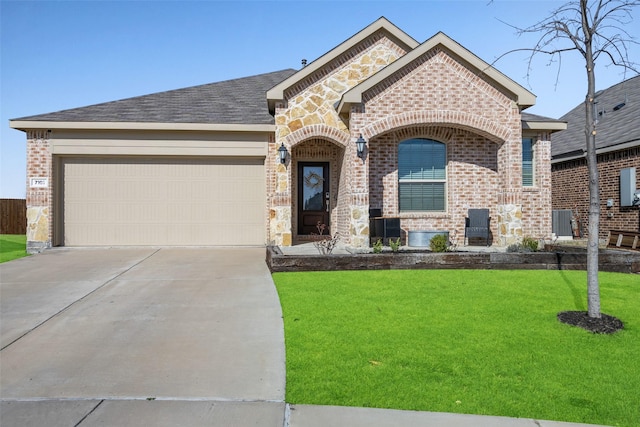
(571, 189)
(472, 179)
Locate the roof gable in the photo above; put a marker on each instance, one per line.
(523, 97)
(276, 93)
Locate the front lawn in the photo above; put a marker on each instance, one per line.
(12, 246)
(477, 342)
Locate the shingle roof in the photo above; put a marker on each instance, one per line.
(536, 118)
(238, 101)
(617, 123)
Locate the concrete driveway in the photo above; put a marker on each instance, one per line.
(83, 329)
(164, 338)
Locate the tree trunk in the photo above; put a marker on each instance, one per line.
(593, 286)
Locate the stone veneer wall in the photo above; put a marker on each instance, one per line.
(39, 200)
(435, 97)
(310, 105)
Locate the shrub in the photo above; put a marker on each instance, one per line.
(529, 244)
(395, 245)
(325, 246)
(439, 243)
(377, 246)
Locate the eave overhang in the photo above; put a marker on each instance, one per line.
(549, 126)
(581, 154)
(25, 125)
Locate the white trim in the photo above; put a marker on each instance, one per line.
(550, 125)
(38, 124)
(524, 98)
(277, 92)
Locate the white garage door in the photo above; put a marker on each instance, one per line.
(170, 201)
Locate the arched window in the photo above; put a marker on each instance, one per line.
(422, 175)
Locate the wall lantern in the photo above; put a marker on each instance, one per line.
(282, 153)
(360, 145)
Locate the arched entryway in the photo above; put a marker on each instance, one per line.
(316, 192)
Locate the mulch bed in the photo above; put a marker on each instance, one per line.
(604, 325)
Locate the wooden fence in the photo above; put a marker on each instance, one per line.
(13, 216)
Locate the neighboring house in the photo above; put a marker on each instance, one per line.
(444, 132)
(618, 150)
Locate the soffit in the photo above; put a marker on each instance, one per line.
(541, 123)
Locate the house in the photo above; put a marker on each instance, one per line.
(441, 132)
(618, 154)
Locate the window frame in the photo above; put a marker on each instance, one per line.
(423, 180)
(529, 164)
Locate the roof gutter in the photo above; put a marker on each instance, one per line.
(630, 144)
(25, 125)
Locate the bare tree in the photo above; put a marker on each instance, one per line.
(596, 30)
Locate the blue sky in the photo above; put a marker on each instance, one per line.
(65, 54)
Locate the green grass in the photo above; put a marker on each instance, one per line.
(477, 342)
(12, 246)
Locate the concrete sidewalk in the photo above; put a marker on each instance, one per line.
(159, 337)
(173, 413)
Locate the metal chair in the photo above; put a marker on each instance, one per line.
(477, 224)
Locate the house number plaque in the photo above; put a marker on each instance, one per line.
(39, 182)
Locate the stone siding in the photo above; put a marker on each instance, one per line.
(435, 97)
(309, 114)
(39, 200)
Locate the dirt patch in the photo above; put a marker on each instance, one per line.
(604, 325)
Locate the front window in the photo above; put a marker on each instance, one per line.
(422, 175)
(527, 162)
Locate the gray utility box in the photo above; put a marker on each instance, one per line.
(627, 186)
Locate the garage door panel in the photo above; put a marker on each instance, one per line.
(158, 201)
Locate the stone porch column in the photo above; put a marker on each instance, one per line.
(509, 223)
(280, 228)
(39, 191)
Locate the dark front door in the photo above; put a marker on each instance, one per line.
(313, 197)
